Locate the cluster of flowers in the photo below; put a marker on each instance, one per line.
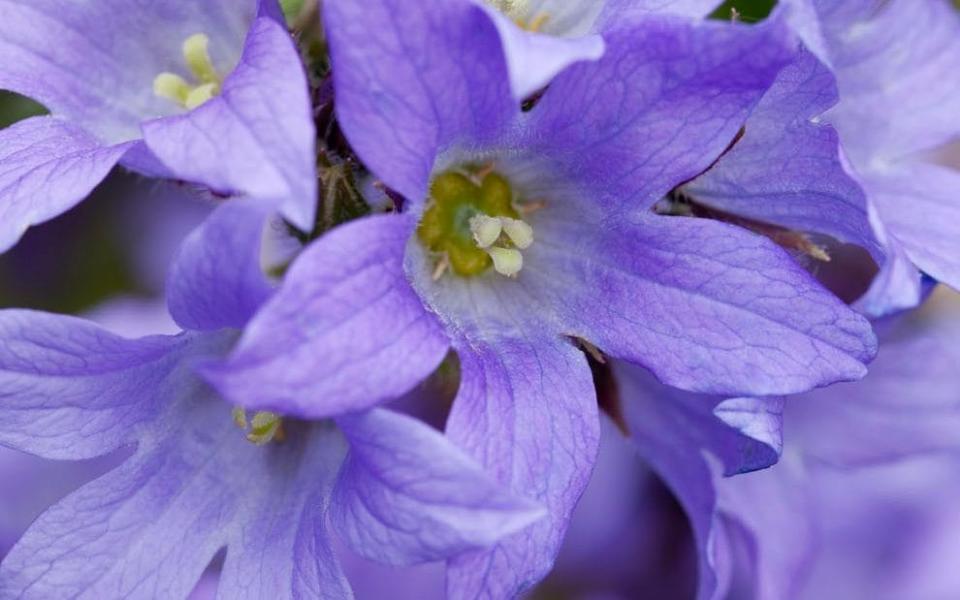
(613, 219)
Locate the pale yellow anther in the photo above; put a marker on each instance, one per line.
(172, 87)
(197, 55)
(519, 232)
(485, 229)
(506, 261)
(201, 94)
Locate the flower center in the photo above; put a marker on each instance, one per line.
(264, 427)
(471, 224)
(207, 81)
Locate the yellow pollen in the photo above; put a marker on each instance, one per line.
(173, 87)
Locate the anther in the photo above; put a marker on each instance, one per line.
(519, 232)
(486, 230)
(506, 261)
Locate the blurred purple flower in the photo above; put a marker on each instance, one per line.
(907, 405)
(366, 312)
(210, 92)
(895, 64)
(192, 484)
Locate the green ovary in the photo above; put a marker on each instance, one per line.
(456, 198)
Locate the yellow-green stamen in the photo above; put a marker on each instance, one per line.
(173, 87)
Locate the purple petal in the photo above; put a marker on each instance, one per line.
(257, 137)
(414, 78)
(344, 332)
(907, 404)
(896, 66)
(150, 527)
(533, 59)
(527, 410)
(917, 202)
(99, 74)
(672, 429)
(667, 441)
(216, 279)
(48, 166)
(745, 434)
(72, 390)
(899, 284)
(758, 441)
(810, 190)
(706, 306)
(407, 495)
(663, 103)
(619, 9)
(283, 548)
(769, 516)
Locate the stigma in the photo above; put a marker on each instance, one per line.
(472, 224)
(262, 429)
(207, 81)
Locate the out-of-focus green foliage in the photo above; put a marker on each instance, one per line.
(72, 263)
(291, 8)
(749, 11)
(68, 265)
(14, 108)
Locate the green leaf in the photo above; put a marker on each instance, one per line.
(14, 107)
(748, 11)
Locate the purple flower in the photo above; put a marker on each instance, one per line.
(905, 406)
(210, 92)
(193, 483)
(895, 64)
(523, 230)
(785, 177)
